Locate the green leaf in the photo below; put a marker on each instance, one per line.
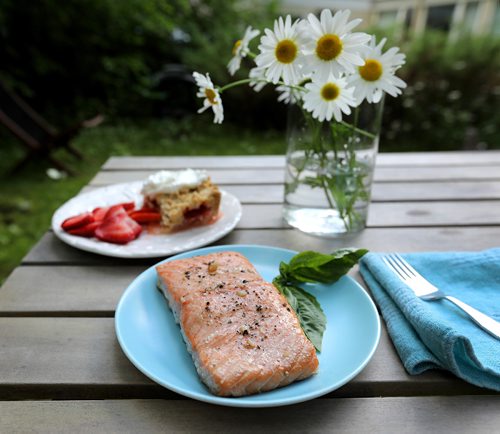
(311, 316)
(311, 267)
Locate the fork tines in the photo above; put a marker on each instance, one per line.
(400, 266)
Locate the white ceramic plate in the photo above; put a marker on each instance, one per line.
(147, 245)
(151, 339)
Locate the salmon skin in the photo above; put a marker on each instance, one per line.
(242, 334)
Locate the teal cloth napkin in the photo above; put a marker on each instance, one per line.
(436, 334)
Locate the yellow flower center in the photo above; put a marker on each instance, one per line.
(237, 45)
(211, 95)
(328, 47)
(371, 70)
(330, 91)
(286, 51)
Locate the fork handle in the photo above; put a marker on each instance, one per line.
(484, 321)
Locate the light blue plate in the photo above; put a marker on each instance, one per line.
(152, 340)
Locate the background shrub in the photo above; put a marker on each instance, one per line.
(76, 57)
(453, 95)
(106, 55)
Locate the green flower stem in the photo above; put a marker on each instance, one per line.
(356, 118)
(335, 152)
(349, 215)
(343, 186)
(326, 190)
(248, 80)
(236, 83)
(292, 86)
(358, 130)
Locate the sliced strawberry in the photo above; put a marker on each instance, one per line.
(115, 211)
(117, 227)
(77, 221)
(87, 231)
(128, 206)
(146, 208)
(137, 228)
(145, 216)
(100, 212)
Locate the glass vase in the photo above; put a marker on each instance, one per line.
(329, 170)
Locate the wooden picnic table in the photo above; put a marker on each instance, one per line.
(62, 369)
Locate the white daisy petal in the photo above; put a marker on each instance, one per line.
(380, 44)
(356, 39)
(349, 26)
(315, 25)
(326, 22)
(377, 96)
(258, 80)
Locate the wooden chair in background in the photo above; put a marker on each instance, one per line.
(38, 137)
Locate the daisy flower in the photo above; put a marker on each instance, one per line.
(241, 50)
(257, 78)
(211, 96)
(280, 52)
(329, 46)
(330, 98)
(376, 75)
(289, 95)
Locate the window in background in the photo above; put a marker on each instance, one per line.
(387, 18)
(439, 17)
(496, 22)
(409, 18)
(470, 16)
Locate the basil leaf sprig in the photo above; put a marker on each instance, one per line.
(311, 316)
(313, 267)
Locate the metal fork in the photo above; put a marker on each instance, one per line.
(427, 291)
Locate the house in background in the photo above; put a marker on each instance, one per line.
(474, 16)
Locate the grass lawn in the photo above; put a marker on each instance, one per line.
(29, 198)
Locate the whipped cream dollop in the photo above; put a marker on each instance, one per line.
(170, 181)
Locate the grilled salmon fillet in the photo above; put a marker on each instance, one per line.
(241, 332)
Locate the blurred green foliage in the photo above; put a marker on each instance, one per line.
(73, 58)
(90, 55)
(453, 96)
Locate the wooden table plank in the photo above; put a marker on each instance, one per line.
(50, 250)
(277, 175)
(219, 176)
(78, 358)
(381, 191)
(385, 214)
(440, 190)
(70, 291)
(460, 158)
(449, 213)
(194, 162)
(65, 290)
(440, 414)
(442, 158)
